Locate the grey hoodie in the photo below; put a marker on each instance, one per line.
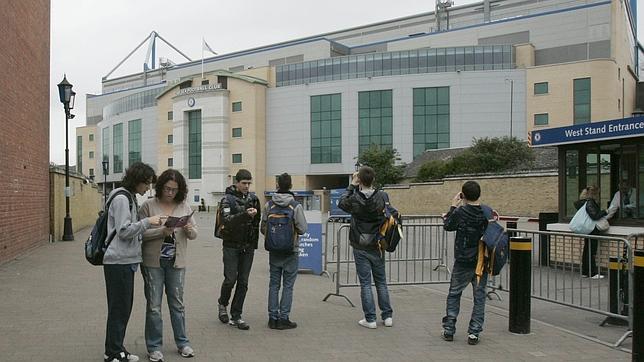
(283, 199)
(125, 248)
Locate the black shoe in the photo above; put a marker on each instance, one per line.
(286, 324)
(447, 337)
(223, 313)
(239, 323)
(272, 323)
(472, 339)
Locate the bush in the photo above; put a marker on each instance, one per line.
(431, 170)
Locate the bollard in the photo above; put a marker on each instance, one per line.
(511, 225)
(520, 284)
(618, 291)
(638, 306)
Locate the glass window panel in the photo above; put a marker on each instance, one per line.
(363, 99)
(374, 99)
(443, 95)
(395, 63)
(422, 61)
(419, 97)
(431, 60)
(450, 59)
(374, 112)
(541, 119)
(387, 112)
(325, 103)
(386, 98)
(336, 102)
(541, 88)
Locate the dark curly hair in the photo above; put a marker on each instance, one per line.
(172, 175)
(138, 173)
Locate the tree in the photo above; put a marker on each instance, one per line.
(431, 170)
(383, 161)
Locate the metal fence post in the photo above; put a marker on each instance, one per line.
(545, 218)
(638, 306)
(520, 284)
(618, 290)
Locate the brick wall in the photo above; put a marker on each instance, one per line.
(512, 195)
(24, 121)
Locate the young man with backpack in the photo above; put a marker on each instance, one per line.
(467, 218)
(282, 223)
(366, 206)
(241, 215)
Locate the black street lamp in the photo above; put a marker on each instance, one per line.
(357, 166)
(106, 169)
(67, 97)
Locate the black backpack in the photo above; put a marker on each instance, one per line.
(390, 232)
(98, 240)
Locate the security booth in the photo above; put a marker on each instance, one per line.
(606, 154)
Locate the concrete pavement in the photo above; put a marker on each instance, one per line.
(53, 308)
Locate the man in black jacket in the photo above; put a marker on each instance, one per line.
(241, 216)
(467, 219)
(366, 206)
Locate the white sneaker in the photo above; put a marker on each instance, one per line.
(370, 325)
(130, 358)
(389, 322)
(597, 276)
(155, 356)
(186, 352)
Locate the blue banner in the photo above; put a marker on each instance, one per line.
(311, 249)
(596, 131)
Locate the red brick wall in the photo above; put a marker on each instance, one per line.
(24, 125)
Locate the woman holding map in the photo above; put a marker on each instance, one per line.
(164, 262)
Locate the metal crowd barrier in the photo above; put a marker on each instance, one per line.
(420, 258)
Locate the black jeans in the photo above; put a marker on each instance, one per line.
(589, 256)
(237, 265)
(119, 284)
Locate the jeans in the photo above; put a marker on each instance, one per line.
(462, 275)
(119, 284)
(370, 262)
(283, 270)
(237, 265)
(589, 255)
(173, 279)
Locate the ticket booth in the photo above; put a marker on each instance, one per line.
(609, 155)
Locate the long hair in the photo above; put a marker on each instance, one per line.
(138, 173)
(172, 175)
(590, 192)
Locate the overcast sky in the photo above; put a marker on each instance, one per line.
(90, 37)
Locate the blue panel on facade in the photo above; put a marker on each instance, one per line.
(596, 131)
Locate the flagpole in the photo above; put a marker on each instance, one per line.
(202, 44)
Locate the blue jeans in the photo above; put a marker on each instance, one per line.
(370, 262)
(283, 270)
(173, 279)
(462, 276)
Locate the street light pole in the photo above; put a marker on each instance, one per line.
(67, 97)
(511, 104)
(106, 168)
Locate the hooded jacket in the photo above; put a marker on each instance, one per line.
(242, 230)
(367, 214)
(125, 248)
(283, 198)
(469, 222)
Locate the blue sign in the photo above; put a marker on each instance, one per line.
(596, 131)
(311, 249)
(335, 211)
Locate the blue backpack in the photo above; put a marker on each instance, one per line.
(98, 240)
(496, 242)
(280, 227)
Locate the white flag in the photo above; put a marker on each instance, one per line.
(207, 47)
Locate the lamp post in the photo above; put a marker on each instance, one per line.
(67, 97)
(106, 168)
(357, 166)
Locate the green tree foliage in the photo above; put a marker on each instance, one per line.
(383, 161)
(432, 170)
(487, 155)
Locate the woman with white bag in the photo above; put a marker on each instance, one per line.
(591, 216)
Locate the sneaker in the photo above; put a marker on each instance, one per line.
(447, 337)
(286, 324)
(472, 339)
(155, 356)
(122, 357)
(370, 325)
(272, 323)
(389, 322)
(186, 352)
(223, 313)
(239, 323)
(597, 276)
